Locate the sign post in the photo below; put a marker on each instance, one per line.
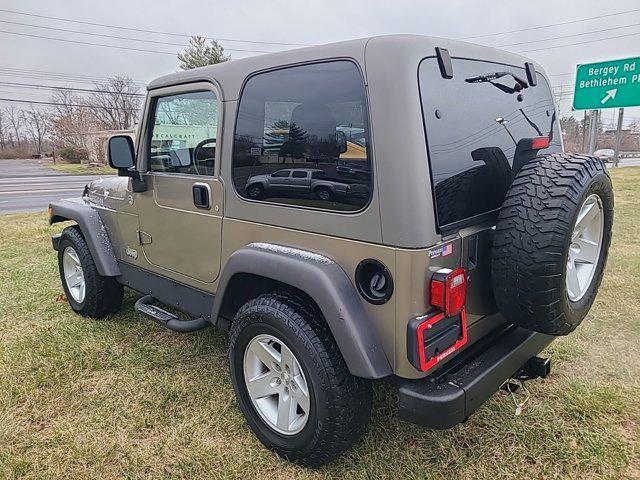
(593, 131)
(616, 157)
(611, 84)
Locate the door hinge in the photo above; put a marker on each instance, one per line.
(143, 238)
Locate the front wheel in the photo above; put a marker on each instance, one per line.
(292, 383)
(88, 293)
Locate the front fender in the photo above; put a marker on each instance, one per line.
(92, 229)
(329, 286)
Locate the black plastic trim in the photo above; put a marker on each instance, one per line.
(450, 397)
(444, 62)
(55, 241)
(531, 74)
(183, 297)
(145, 306)
(362, 283)
(93, 231)
(328, 285)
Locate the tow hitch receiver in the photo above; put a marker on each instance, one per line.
(535, 367)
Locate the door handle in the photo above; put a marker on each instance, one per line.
(202, 195)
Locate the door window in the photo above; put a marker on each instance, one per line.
(183, 134)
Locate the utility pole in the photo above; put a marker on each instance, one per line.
(584, 132)
(616, 157)
(593, 135)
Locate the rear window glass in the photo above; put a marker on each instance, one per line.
(313, 120)
(472, 130)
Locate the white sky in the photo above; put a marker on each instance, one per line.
(306, 22)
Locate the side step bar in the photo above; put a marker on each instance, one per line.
(144, 306)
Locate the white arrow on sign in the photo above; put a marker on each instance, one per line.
(611, 94)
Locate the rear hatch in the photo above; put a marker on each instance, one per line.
(477, 127)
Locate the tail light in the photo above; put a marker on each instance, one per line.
(433, 337)
(449, 290)
(540, 143)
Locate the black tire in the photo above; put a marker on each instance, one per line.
(340, 403)
(103, 295)
(324, 193)
(255, 191)
(533, 236)
(454, 196)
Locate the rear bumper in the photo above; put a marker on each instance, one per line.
(465, 383)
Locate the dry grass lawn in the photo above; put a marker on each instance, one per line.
(123, 398)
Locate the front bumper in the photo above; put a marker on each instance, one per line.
(464, 384)
(55, 241)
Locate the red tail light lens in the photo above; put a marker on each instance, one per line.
(540, 143)
(449, 290)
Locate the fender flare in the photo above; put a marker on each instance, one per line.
(92, 229)
(328, 285)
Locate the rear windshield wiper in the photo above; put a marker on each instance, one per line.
(490, 77)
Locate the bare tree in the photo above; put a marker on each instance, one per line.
(117, 104)
(36, 121)
(14, 116)
(69, 120)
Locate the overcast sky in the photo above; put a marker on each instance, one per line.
(299, 22)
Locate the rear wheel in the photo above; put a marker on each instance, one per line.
(255, 191)
(551, 242)
(324, 193)
(292, 383)
(88, 293)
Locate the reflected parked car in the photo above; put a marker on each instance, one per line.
(297, 180)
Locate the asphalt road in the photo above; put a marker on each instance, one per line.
(27, 186)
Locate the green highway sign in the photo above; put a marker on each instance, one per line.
(609, 84)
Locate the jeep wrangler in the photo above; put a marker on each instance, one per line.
(396, 208)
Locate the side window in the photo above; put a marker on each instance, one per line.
(313, 119)
(281, 174)
(183, 134)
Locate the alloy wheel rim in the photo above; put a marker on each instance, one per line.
(73, 274)
(585, 248)
(276, 384)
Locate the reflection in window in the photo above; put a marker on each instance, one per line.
(312, 119)
(183, 135)
(474, 143)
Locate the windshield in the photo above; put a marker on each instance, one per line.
(474, 123)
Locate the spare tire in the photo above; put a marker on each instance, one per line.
(551, 242)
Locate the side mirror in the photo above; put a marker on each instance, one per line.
(122, 157)
(341, 142)
(120, 152)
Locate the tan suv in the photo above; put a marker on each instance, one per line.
(454, 239)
